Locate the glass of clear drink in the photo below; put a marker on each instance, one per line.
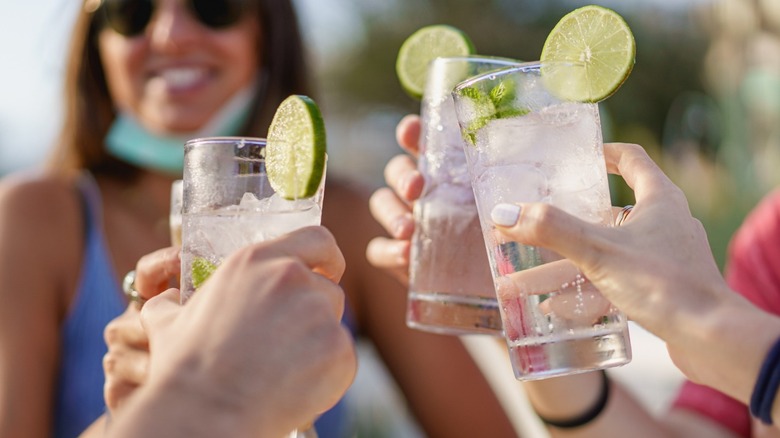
(450, 287)
(525, 145)
(228, 203)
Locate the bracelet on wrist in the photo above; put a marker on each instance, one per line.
(591, 414)
(767, 384)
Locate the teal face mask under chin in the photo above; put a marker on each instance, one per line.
(132, 143)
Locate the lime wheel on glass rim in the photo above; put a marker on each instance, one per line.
(295, 149)
(294, 157)
(422, 47)
(588, 55)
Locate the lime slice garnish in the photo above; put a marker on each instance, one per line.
(201, 271)
(422, 47)
(588, 55)
(295, 148)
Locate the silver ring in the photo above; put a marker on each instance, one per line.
(624, 212)
(128, 287)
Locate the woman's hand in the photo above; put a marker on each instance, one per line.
(127, 361)
(657, 267)
(158, 271)
(392, 206)
(642, 266)
(572, 297)
(260, 342)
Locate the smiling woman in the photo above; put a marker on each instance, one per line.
(129, 102)
(153, 72)
(142, 77)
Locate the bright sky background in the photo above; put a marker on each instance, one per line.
(32, 43)
(33, 36)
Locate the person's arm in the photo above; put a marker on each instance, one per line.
(565, 398)
(258, 351)
(751, 270)
(569, 397)
(34, 293)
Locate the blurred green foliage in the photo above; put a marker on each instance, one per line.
(668, 57)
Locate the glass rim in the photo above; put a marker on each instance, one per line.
(478, 59)
(226, 140)
(523, 67)
(495, 74)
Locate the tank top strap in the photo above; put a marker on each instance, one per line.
(98, 300)
(89, 194)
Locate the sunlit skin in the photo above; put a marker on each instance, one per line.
(179, 72)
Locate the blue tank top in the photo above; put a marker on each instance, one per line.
(98, 300)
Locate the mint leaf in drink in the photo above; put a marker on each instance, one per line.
(503, 98)
(484, 106)
(498, 103)
(508, 113)
(475, 94)
(502, 94)
(470, 134)
(484, 110)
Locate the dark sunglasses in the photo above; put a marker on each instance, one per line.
(130, 17)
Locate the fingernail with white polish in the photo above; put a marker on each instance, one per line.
(505, 214)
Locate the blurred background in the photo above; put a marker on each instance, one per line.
(704, 96)
(703, 99)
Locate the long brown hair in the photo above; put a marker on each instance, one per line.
(89, 111)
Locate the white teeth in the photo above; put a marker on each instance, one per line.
(182, 77)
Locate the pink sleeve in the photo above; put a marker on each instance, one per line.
(753, 270)
(753, 267)
(716, 406)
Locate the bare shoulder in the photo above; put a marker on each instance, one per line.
(40, 227)
(29, 200)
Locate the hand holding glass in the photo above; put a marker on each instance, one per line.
(526, 145)
(228, 203)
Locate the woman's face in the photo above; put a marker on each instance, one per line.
(178, 73)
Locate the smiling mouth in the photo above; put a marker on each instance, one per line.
(180, 78)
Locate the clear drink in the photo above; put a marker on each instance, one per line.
(450, 286)
(229, 203)
(214, 235)
(541, 149)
